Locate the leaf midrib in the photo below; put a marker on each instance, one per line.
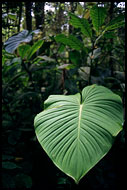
(79, 122)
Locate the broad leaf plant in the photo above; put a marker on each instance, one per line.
(77, 131)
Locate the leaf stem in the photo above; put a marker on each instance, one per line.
(91, 61)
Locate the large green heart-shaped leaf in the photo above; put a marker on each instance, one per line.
(76, 131)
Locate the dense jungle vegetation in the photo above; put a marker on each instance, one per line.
(57, 48)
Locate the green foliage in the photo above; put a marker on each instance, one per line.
(80, 9)
(109, 35)
(12, 16)
(76, 131)
(13, 42)
(115, 26)
(74, 56)
(9, 165)
(71, 41)
(59, 59)
(23, 50)
(34, 48)
(116, 22)
(98, 15)
(81, 23)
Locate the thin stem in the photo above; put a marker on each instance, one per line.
(28, 71)
(91, 61)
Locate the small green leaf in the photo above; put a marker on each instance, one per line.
(9, 165)
(7, 157)
(61, 48)
(119, 18)
(71, 41)
(81, 23)
(76, 43)
(62, 181)
(46, 58)
(115, 26)
(12, 16)
(34, 48)
(16, 77)
(23, 50)
(87, 14)
(64, 66)
(79, 9)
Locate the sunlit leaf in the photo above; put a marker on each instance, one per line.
(46, 58)
(79, 9)
(34, 48)
(12, 16)
(87, 14)
(76, 131)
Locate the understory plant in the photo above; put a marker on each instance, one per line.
(77, 131)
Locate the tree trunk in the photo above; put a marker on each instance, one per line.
(73, 6)
(28, 6)
(59, 17)
(7, 20)
(20, 15)
(111, 40)
(39, 14)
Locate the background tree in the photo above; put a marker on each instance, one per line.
(39, 14)
(28, 6)
(20, 15)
